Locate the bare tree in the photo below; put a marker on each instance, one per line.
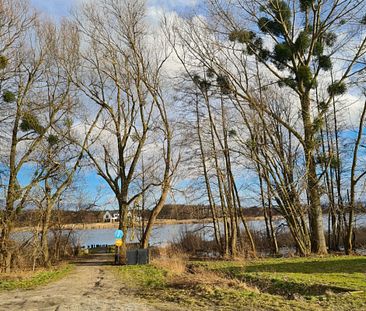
(121, 73)
(22, 131)
(232, 36)
(354, 180)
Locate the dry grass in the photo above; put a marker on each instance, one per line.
(27, 279)
(198, 277)
(171, 260)
(181, 274)
(18, 275)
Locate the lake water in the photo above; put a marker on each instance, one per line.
(164, 234)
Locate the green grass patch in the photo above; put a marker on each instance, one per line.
(329, 283)
(34, 279)
(340, 274)
(143, 276)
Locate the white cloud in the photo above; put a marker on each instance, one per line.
(172, 3)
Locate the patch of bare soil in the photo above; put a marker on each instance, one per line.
(91, 286)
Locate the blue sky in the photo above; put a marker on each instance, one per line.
(61, 8)
(54, 8)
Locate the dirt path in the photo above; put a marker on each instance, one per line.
(91, 286)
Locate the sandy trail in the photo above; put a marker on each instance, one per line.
(91, 286)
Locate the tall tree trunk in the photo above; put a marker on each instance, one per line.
(5, 248)
(275, 249)
(122, 222)
(11, 195)
(46, 219)
(318, 244)
(352, 200)
(154, 214)
(211, 199)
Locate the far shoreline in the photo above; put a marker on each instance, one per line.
(114, 225)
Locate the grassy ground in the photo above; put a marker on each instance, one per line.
(29, 280)
(330, 283)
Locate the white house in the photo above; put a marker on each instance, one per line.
(113, 216)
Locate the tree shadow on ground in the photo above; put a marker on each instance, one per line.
(337, 275)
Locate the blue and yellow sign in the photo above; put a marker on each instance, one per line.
(118, 234)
